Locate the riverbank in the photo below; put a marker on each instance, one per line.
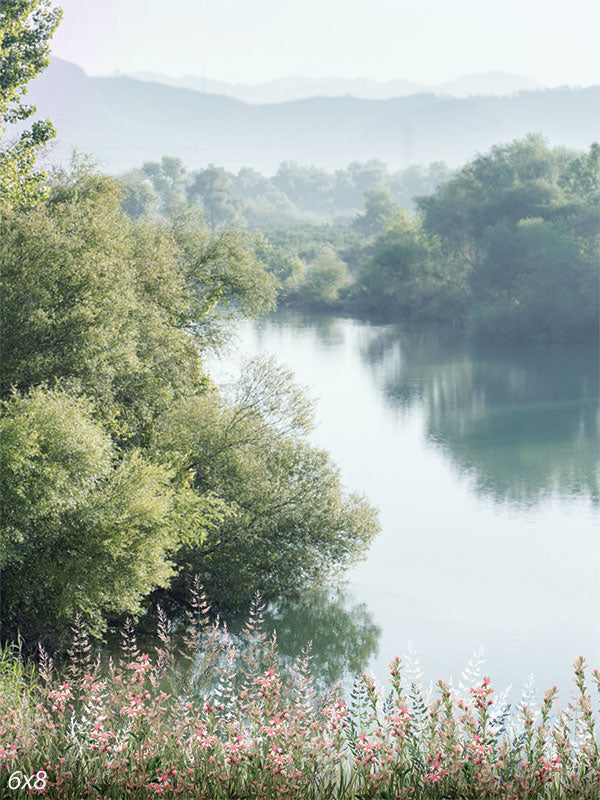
(234, 724)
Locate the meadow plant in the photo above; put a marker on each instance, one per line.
(209, 717)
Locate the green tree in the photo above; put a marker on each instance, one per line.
(326, 274)
(284, 264)
(379, 206)
(26, 27)
(169, 180)
(139, 198)
(512, 182)
(519, 228)
(535, 283)
(120, 308)
(289, 522)
(118, 455)
(407, 275)
(212, 188)
(84, 529)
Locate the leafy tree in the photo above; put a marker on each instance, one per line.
(289, 522)
(118, 456)
(284, 264)
(309, 188)
(368, 175)
(26, 27)
(401, 277)
(139, 197)
(520, 224)
(378, 207)
(325, 276)
(407, 184)
(212, 188)
(512, 182)
(169, 180)
(84, 529)
(534, 283)
(117, 307)
(263, 204)
(224, 272)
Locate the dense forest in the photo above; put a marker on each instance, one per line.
(506, 247)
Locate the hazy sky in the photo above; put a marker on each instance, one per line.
(551, 41)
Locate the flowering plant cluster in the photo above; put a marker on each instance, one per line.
(235, 724)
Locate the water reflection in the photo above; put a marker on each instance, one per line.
(522, 422)
(343, 634)
(324, 327)
(482, 462)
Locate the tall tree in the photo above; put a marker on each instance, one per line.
(26, 27)
(212, 188)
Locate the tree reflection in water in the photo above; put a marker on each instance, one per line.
(522, 421)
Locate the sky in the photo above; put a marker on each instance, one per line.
(252, 41)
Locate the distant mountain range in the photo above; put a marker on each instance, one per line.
(299, 88)
(123, 121)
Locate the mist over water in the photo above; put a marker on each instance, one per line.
(483, 464)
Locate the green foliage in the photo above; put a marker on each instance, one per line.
(534, 283)
(118, 457)
(520, 218)
(25, 29)
(325, 276)
(140, 198)
(245, 724)
(212, 189)
(91, 297)
(295, 196)
(398, 276)
(379, 205)
(508, 245)
(85, 530)
(223, 270)
(289, 522)
(512, 182)
(168, 178)
(284, 264)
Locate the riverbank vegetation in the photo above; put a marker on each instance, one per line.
(123, 465)
(124, 468)
(506, 246)
(230, 723)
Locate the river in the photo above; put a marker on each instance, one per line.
(483, 463)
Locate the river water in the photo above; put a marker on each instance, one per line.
(483, 463)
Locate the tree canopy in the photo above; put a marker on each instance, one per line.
(289, 522)
(26, 27)
(86, 529)
(126, 471)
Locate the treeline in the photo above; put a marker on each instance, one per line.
(506, 247)
(124, 470)
(294, 196)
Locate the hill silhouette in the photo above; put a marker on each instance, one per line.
(123, 121)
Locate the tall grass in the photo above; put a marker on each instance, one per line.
(230, 723)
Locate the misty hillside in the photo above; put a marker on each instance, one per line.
(300, 87)
(123, 122)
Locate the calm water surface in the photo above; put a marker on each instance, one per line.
(484, 466)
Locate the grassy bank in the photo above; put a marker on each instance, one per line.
(233, 723)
